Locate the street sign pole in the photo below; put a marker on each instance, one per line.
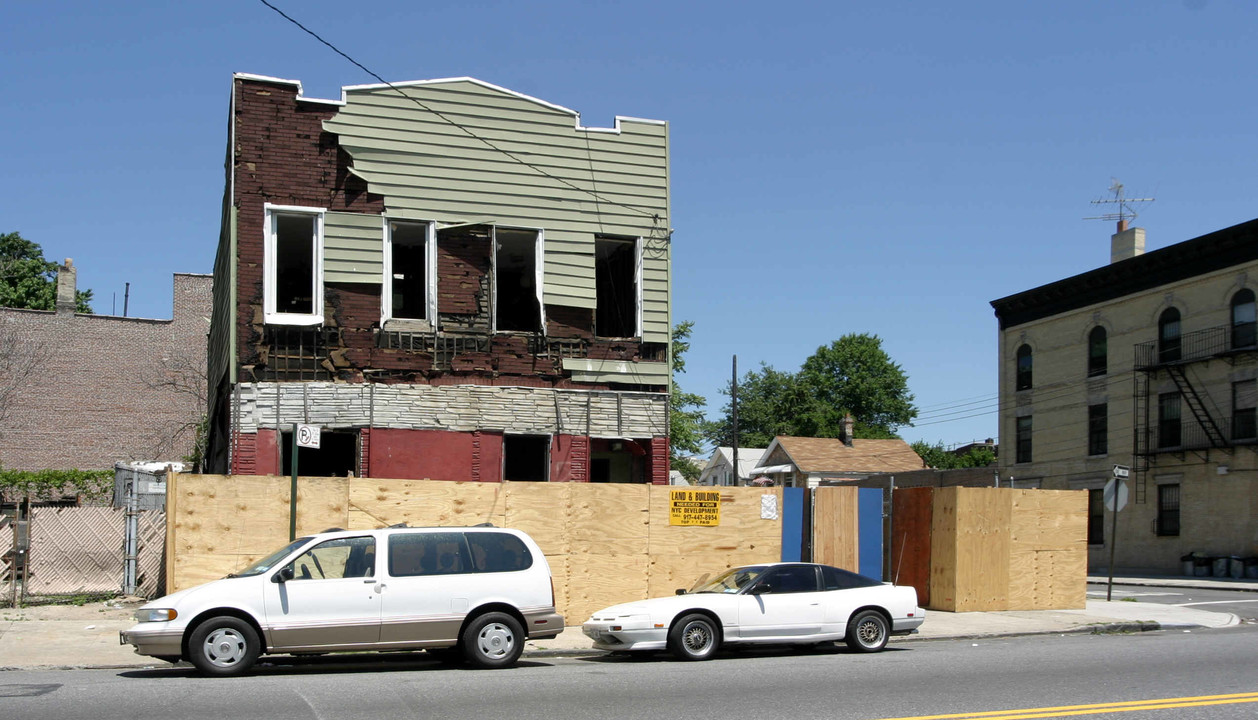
(292, 492)
(1120, 472)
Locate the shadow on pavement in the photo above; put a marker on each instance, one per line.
(328, 664)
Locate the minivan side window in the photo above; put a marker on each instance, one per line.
(412, 554)
(498, 552)
(336, 559)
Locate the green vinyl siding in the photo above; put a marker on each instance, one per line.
(618, 371)
(353, 248)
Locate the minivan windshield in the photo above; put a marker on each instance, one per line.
(731, 581)
(271, 560)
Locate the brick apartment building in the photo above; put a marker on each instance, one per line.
(92, 390)
(453, 280)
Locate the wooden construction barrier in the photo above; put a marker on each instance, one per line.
(606, 544)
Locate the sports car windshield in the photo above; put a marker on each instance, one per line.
(731, 581)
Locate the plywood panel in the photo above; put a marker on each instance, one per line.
(428, 503)
(596, 581)
(218, 515)
(1048, 550)
(943, 550)
(608, 519)
(743, 535)
(835, 533)
(322, 503)
(910, 540)
(667, 573)
(983, 521)
(543, 510)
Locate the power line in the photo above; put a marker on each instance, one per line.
(654, 216)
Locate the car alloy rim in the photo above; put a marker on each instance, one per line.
(697, 637)
(870, 632)
(225, 647)
(496, 640)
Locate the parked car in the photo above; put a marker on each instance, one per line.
(777, 603)
(478, 592)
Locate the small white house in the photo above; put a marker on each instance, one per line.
(720, 467)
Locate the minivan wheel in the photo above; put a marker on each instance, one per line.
(694, 637)
(224, 646)
(493, 640)
(867, 632)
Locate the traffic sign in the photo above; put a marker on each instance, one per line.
(1115, 495)
(308, 436)
(1121, 471)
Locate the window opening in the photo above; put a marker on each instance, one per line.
(440, 553)
(1244, 402)
(293, 291)
(1096, 517)
(526, 458)
(1098, 354)
(616, 287)
(1169, 336)
(1023, 440)
(336, 456)
(1168, 510)
(1098, 429)
(1169, 420)
(515, 288)
(1024, 368)
(1244, 325)
(498, 552)
(408, 270)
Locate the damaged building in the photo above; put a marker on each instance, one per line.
(453, 280)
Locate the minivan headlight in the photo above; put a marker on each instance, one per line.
(155, 615)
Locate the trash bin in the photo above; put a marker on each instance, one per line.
(1201, 566)
(1235, 567)
(1221, 565)
(1186, 564)
(1251, 567)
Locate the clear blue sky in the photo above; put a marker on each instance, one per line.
(838, 167)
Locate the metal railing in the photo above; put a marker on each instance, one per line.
(1192, 436)
(1196, 345)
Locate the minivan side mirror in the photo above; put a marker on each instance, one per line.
(284, 575)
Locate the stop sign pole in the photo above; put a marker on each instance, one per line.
(1115, 498)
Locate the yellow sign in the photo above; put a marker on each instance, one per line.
(694, 507)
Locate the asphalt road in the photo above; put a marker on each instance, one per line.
(1242, 604)
(1005, 678)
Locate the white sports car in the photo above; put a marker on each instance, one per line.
(776, 603)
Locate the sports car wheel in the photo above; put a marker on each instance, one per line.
(867, 632)
(694, 637)
(493, 640)
(224, 646)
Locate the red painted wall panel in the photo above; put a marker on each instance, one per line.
(268, 455)
(433, 455)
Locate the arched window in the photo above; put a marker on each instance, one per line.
(1243, 320)
(1168, 336)
(1098, 353)
(1024, 368)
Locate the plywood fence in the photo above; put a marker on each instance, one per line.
(835, 535)
(993, 549)
(606, 544)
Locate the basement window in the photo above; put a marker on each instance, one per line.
(617, 274)
(293, 265)
(409, 259)
(517, 280)
(336, 456)
(526, 458)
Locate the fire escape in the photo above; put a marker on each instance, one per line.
(1159, 419)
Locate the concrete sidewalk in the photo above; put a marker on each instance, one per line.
(86, 636)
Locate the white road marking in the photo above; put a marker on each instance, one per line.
(1217, 602)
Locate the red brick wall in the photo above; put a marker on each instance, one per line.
(101, 392)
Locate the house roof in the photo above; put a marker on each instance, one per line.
(830, 455)
(748, 458)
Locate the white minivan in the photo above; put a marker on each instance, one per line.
(471, 592)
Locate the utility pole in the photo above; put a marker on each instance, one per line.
(733, 396)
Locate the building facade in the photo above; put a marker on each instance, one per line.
(82, 391)
(1148, 363)
(453, 280)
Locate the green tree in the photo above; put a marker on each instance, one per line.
(770, 403)
(28, 280)
(686, 424)
(855, 375)
(937, 457)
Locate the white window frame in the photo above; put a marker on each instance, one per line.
(539, 272)
(430, 284)
(271, 315)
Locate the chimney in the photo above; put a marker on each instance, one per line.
(66, 288)
(1126, 243)
(847, 429)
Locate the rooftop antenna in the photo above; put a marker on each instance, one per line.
(1125, 212)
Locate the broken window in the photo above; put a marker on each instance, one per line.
(516, 280)
(526, 458)
(336, 456)
(293, 287)
(616, 287)
(407, 271)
